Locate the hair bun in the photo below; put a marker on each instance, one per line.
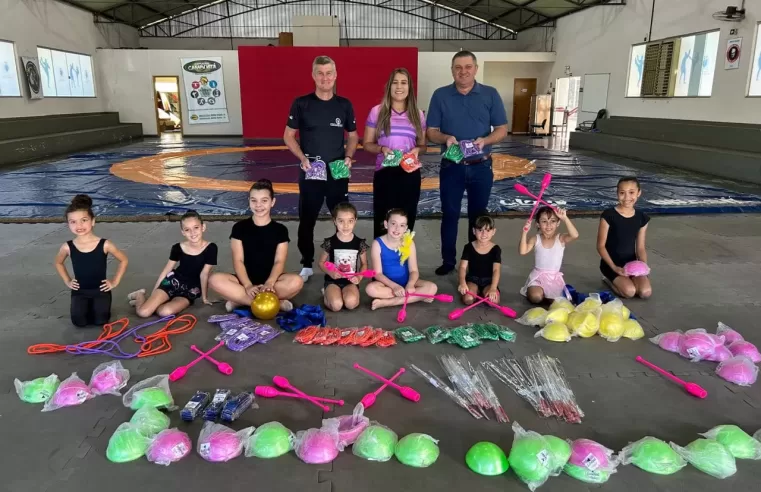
(82, 201)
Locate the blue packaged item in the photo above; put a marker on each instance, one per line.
(195, 406)
(214, 410)
(234, 407)
(301, 317)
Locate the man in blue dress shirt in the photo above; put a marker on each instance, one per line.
(465, 110)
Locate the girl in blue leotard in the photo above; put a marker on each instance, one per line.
(394, 259)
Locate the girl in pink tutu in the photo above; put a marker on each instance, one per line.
(545, 281)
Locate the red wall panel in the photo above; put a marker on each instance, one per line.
(272, 77)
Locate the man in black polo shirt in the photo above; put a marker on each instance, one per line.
(320, 118)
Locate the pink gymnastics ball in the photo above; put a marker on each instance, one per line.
(739, 370)
(720, 354)
(747, 349)
(697, 346)
(71, 393)
(590, 455)
(669, 341)
(106, 381)
(220, 446)
(637, 269)
(169, 445)
(317, 446)
(730, 336)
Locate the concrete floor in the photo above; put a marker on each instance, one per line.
(704, 270)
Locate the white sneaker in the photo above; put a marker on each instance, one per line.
(306, 273)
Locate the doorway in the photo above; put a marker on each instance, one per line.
(523, 89)
(168, 107)
(565, 110)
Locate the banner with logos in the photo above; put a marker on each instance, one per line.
(204, 90)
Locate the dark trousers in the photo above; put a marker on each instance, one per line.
(456, 179)
(312, 194)
(393, 187)
(90, 307)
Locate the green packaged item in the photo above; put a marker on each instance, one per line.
(465, 337)
(454, 154)
(586, 475)
(270, 440)
(376, 443)
(149, 421)
(339, 169)
(486, 458)
(417, 450)
(393, 159)
(530, 457)
(408, 334)
(652, 455)
(708, 456)
(483, 332)
(737, 441)
(437, 334)
(37, 390)
(560, 452)
(151, 397)
(502, 332)
(127, 444)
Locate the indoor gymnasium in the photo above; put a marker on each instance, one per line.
(320, 245)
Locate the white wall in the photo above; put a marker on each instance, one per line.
(502, 75)
(127, 86)
(599, 40)
(48, 23)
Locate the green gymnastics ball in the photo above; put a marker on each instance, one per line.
(486, 458)
(739, 442)
(376, 443)
(150, 397)
(418, 450)
(530, 459)
(37, 390)
(654, 456)
(586, 475)
(127, 444)
(270, 440)
(150, 421)
(710, 457)
(560, 452)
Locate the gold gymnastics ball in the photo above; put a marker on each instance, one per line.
(584, 325)
(633, 330)
(559, 315)
(555, 332)
(533, 317)
(265, 305)
(561, 302)
(611, 326)
(590, 304)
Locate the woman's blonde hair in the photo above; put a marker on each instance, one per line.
(413, 114)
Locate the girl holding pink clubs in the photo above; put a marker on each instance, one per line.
(546, 281)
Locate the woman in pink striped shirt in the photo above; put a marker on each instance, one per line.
(395, 124)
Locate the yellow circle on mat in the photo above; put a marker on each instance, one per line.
(170, 169)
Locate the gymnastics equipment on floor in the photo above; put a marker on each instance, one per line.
(223, 367)
(282, 382)
(369, 399)
(265, 305)
(691, 388)
(405, 391)
(457, 313)
(180, 372)
(270, 392)
(402, 315)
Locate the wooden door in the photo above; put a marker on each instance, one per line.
(523, 89)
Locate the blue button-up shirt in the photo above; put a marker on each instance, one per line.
(466, 116)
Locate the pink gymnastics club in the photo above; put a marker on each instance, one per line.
(405, 391)
(270, 392)
(691, 388)
(438, 297)
(283, 383)
(223, 367)
(331, 267)
(523, 190)
(545, 183)
(369, 399)
(403, 312)
(459, 312)
(503, 309)
(180, 372)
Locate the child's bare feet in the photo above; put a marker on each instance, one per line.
(229, 306)
(380, 303)
(133, 295)
(286, 306)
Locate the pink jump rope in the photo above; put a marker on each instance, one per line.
(369, 399)
(405, 391)
(438, 297)
(691, 388)
(457, 313)
(523, 190)
(180, 372)
(331, 267)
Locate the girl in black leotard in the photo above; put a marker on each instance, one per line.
(177, 288)
(90, 287)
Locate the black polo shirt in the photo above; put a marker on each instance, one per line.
(321, 125)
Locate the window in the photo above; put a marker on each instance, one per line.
(755, 72)
(66, 74)
(9, 86)
(674, 67)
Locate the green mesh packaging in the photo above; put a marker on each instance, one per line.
(483, 332)
(436, 334)
(393, 159)
(339, 169)
(454, 154)
(408, 334)
(466, 337)
(502, 332)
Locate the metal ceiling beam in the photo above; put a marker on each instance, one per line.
(95, 13)
(517, 8)
(587, 4)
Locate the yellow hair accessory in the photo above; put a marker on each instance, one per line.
(405, 249)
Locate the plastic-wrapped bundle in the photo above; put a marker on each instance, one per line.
(316, 446)
(560, 453)
(127, 444)
(392, 159)
(698, 345)
(739, 370)
(708, 456)
(454, 154)
(72, 391)
(108, 378)
(554, 332)
(530, 457)
(730, 336)
(169, 446)
(633, 330)
(741, 347)
(611, 326)
(269, 440)
(557, 315)
(590, 303)
(339, 169)
(376, 443)
(37, 390)
(349, 427)
(417, 450)
(637, 269)
(584, 324)
(653, 456)
(720, 354)
(152, 392)
(737, 441)
(218, 443)
(317, 171)
(150, 421)
(533, 317)
(590, 462)
(669, 341)
(469, 148)
(562, 302)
